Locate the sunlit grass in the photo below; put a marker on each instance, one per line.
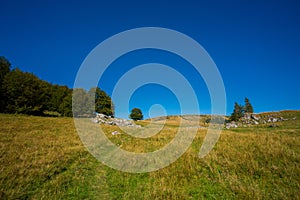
(43, 158)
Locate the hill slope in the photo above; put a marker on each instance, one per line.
(44, 158)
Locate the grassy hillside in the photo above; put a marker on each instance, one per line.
(43, 158)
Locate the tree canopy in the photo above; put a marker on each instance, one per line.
(23, 92)
(4, 69)
(248, 107)
(240, 110)
(103, 103)
(237, 112)
(136, 114)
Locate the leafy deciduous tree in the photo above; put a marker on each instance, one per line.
(103, 103)
(4, 70)
(56, 95)
(24, 93)
(65, 108)
(81, 103)
(136, 114)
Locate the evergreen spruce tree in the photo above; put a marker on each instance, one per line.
(248, 107)
(237, 112)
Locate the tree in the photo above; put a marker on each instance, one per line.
(103, 103)
(56, 95)
(65, 108)
(136, 114)
(237, 112)
(240, 110)
(24, 93)
(81, 103)
(248, 107)
(4, 70)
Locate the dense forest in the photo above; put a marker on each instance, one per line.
(23, 92)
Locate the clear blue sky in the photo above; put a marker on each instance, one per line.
(255, 44)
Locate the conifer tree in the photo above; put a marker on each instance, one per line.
(248, 107)
(237, 112)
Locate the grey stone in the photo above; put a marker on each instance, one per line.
(247, 116)
(255, 117)
(115, 133)
(231, 125)
(103, 119)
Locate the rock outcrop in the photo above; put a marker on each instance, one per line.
(104, 119)
(255, 119)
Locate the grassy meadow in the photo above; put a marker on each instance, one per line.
(43, 158)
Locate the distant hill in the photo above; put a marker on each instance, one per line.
(204, 120)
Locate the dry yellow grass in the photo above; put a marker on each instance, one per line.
(43, 158)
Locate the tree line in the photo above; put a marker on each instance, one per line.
(23, 92)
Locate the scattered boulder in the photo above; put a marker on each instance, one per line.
(247, 116)
(232, 124)
(255, 117)
(272, 120)
(115, 133)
